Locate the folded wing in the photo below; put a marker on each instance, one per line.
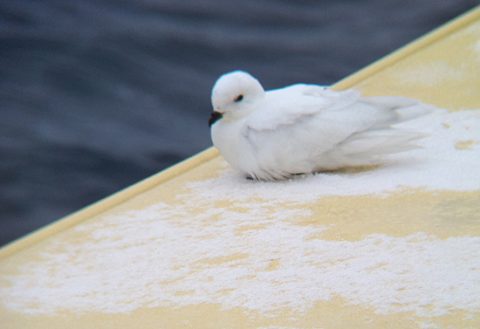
(313, 128)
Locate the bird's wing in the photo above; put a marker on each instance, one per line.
(314, 121)
(291, 105)
(317, 111)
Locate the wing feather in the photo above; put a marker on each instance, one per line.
(288, 106)
(320, 128)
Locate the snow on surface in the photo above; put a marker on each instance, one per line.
(256, 256)
(150, 258)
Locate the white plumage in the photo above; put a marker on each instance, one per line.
(303, 128)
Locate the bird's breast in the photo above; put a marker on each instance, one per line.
(227, 137)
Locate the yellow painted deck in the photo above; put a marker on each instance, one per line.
(173, 252)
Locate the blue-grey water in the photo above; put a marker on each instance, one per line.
(98, 94)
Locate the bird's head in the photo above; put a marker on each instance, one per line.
(233, 93)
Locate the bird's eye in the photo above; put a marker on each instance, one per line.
(238, 98)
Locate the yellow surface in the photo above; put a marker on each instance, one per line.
(441, 69)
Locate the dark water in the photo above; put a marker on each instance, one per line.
(97, 94)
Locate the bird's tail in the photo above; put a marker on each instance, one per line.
(404, 108)
(383, 141)
(369, 146)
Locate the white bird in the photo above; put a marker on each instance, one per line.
(300, 129)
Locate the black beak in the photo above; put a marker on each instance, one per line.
(214, 117)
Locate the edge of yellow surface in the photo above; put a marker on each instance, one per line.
(204, 156)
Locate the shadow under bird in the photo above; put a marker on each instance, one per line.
(303, 128)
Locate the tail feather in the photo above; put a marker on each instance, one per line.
(405, 109)
(393, 102)
(380, 142)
